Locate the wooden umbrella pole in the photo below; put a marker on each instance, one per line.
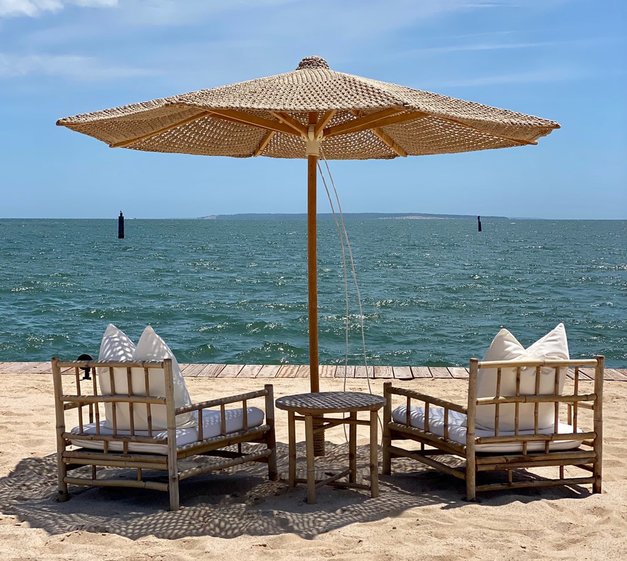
(312, 273)
(312, 258)
(312, 276)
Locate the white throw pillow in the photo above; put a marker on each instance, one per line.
(152, 347)
(117, 347)
(553, 346)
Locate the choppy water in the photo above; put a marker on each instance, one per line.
(234, 290)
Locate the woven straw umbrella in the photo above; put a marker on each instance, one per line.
(306, 113)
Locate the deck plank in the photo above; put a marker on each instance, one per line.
(440, 372)
(587, 373)
(288, 371)
(215, 370)
(402, 372)
(230, 371)
(362, 372)
(268, 371)
(383, 372)
(211, 370)
(420, 372)
(345, 371)
(458, 372)
(615, 375)
(303, 371)
(250, 371)
(192, 370)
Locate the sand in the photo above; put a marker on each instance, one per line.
(420, 513)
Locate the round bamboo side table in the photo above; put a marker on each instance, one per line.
(306, 407)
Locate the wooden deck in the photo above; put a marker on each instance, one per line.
(302, 371)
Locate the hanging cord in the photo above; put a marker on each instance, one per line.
(338, 226)
(353, 267)
(345, 243)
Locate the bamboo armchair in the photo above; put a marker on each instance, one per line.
(451, 441)
(213, 428)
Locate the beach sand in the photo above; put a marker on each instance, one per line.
(420, 514)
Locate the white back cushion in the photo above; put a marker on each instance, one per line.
(116, 346)
(553, 345)
(152, 347)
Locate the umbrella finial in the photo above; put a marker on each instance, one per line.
(313, 62)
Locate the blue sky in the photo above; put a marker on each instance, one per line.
(559, 59)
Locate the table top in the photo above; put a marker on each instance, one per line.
(330, 402)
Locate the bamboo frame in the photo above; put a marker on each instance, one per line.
(587, 456)
(70, 457)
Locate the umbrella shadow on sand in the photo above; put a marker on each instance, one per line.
(235, 502)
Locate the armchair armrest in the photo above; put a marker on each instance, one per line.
(389, 390)
(424, 401)
(243, 397)
(242, 403)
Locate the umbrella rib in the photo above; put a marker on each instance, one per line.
(264, 142)
(291, 122)
(253, 120)
(226, 114)
(128, 142)
(387, 140)
(324, 120)
(500, 136)
(381, 118)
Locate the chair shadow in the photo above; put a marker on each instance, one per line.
(233, 502)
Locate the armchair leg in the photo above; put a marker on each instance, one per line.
(471, 479)
(174, 494)
(273, 473)
(386, 439)
(597, 485)
(386, 462)
(63, 493)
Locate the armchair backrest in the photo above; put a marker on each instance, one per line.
(137, 396)
(529, 395)
(137, 380)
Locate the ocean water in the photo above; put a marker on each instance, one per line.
(233, 290)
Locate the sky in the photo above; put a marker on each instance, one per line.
(564, 60)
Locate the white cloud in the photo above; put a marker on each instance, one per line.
(489, 47)
(34, 8)
(68, 66)
(542, 75)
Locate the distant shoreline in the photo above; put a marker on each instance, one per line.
(379, 215)
(350, 215)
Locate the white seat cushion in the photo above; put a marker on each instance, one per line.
(184, 435)
(457, 431)
(553, 346)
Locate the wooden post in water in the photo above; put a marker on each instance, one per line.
(121, 226)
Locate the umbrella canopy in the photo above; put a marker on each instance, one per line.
(310, 111)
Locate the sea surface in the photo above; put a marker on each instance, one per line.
(233, 290)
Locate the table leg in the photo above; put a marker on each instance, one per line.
(291, 432)
(311, 468)
(352, 447)
(374, 467)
